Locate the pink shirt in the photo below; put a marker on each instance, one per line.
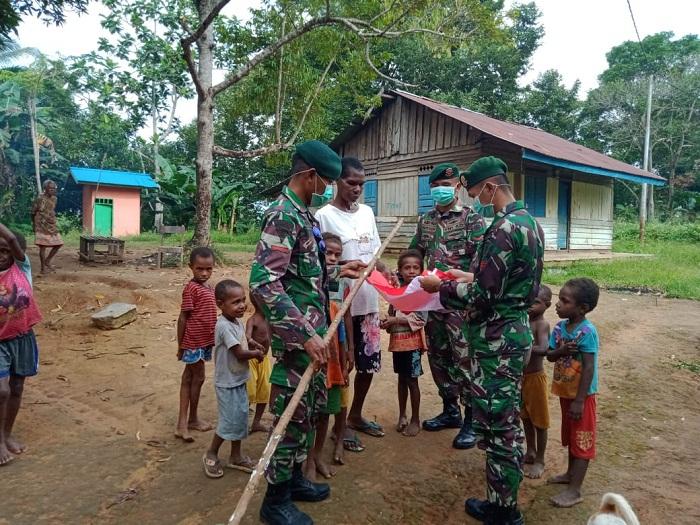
(18, 311)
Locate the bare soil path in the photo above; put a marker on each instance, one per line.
(98, 420)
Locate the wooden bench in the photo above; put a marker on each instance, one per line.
(96, 248)
(164, 252)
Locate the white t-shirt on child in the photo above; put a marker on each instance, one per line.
(229, 372)
(358, 232)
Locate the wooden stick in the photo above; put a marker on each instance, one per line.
(278, 431)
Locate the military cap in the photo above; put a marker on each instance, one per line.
(482, 169)
(319, 156)
(446, 170)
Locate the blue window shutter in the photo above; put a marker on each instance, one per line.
(425, 201)
(370, 193)
(536, 195)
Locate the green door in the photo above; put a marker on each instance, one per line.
(103, 217)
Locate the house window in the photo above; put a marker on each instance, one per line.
(425, 201)
(536, 195)
(370, 194)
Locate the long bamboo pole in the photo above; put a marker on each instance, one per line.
(281, 426)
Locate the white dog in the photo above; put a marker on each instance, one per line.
(614, 510)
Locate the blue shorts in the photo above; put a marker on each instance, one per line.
(193, 355)
(233, 412)
(19, 356)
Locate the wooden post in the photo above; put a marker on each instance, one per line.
(647, 137)
(278, 431)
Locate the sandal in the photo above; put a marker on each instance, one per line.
(212, 468)
(370, 428)
(353, 444)
(244, 465)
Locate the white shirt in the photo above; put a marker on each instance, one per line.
(358, 232)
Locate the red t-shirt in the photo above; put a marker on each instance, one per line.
(18, 311)
(199, 330)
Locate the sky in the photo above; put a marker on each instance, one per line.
(578, 33)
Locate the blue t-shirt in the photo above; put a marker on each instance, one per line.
(587, 337)
(26, 267)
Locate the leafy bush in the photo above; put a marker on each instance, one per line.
(674, 230)
(69, 222)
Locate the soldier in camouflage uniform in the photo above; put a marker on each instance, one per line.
(449, 236)
(290, 281)
(505, 284)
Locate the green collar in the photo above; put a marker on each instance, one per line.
(294, 198)
(457, 208)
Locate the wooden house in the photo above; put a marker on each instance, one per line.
(111, 200)
(567, 187)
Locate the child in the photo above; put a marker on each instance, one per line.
(195, 338)
(336, 377)
(19, 355)
(574, 349)
(407, 341)
(535, 411)
(258, 330)
(231, 356)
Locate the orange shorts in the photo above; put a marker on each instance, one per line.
(536, 399)
(579, 435)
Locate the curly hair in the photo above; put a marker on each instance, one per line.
(585, 291)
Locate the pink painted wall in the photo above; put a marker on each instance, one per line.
(126, 218)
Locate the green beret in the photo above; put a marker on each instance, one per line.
(446, 170)
(319, 156)
(482, 169)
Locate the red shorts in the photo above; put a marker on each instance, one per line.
(579, 435)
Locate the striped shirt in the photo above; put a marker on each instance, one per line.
(198, 299)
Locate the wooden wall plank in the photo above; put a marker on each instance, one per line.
(433, 130)
(420, 115)
(411, 131)
(552, 197)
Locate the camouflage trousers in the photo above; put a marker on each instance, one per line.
(299, 435)
(497, 371)
(448, 355)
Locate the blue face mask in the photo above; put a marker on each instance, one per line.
(442, 195)
(321, 200)
(485, 211)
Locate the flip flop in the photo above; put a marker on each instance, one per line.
(370, 428)
(353, 444)
(212, 468)
(244, 465)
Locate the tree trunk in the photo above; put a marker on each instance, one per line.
(652, 206)
(31, 103)
(205, 130)
(234, 207)
(671, 176)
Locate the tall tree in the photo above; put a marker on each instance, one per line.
(50, 11)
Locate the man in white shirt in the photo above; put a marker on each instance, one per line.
(354, 223)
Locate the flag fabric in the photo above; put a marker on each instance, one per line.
(410, 298)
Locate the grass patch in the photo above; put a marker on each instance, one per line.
(673, 269)
(691, 366)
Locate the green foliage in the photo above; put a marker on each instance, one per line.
(68, 222)
(49, 11)
(691, 366)
(680, 231)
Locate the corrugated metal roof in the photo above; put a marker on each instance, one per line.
(533, 139)
(96, 176)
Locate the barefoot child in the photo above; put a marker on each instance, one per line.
(574, 350)
(195, 339)
(231, 356)
(336, 375)
(258, 330)
(535, 410)
(19, 355)
(407, 342)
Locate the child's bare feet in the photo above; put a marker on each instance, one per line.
(535, 470)
(14, 446)
(5, 455)
(184, 435)
(567, 499)
(402, 424)
(412, 429)
(198, 424)
(561, 479)
(257, 426)
(529, 458)
(325, 470)
(339, 453)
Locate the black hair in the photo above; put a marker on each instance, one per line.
(224, 286)
(407, 254)
(202, 252)
(298, 165)
(332, 237)
(546, 293)
(585, 291)
(350, 163)
(20, 240)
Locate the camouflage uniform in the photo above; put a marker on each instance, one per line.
(449, 240)
(289, 278)
(505, 285)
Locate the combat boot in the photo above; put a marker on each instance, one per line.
(277, 507)
(465, 438)
(492, 514)
(448, 418)
(304, 490)
(478, 509)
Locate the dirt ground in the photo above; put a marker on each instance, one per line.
(99, 419)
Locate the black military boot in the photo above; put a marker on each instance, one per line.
(277, 507)
(448, 418)
(465, 438)
(504, 516)
(478, 509)
(304, 490)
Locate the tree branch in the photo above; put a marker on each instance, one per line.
(278, 107)
(191, 38)
(313, 98)
(171, 119)
(374, 68)
(191, 67)
(248, 153)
